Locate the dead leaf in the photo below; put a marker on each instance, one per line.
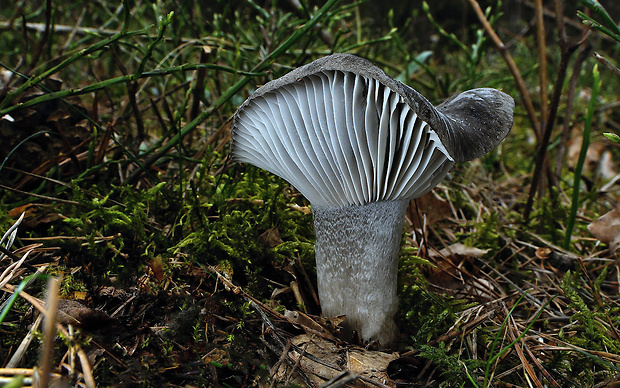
(271, 237)
(368, 363)
(303, 209)
(599, 158)
(36, 214)
(157, 266)
(75, 313)
(430, 204)
(459, 249)
(607, 229)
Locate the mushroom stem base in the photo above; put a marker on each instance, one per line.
(357, 249)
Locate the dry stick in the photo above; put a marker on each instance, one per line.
(276, 366)
(73, 32)
(68, 149)
(566, 51)
(297, 363)
(567, 19)
(132, 90)
(27, 194)
(199, 86)
(584, 52)
(518, 346)
(44, 37)
(560, 23)
(542, 61)
(512, 66)
(540, 366)
(323, 33)
(271, 328)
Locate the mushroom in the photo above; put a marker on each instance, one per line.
(359, 146)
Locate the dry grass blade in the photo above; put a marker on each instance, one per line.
(49, 333)
(10, 234)
(513, 334)
(10, 272)
(23, 346)
(39, 305)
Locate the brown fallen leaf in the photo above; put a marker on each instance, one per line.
(432, 205)
(599, 157)
(607, 229)
(157, 266)
(75, 313)
(459, 249)
(271, 237)
(369, 364)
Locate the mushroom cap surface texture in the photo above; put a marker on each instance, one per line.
(343, 132)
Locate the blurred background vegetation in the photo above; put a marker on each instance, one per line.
(114, 128)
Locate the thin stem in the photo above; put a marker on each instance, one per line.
(570, 103)
(596, 85)
(512, 66)
(542, 61)
(567, 51)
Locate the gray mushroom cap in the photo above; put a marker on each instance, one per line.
(469, 124)
(340, 127)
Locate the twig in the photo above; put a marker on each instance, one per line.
(272, 329)
(519, 349)
(87, 372)
(566, 51)
(512, 66)
(323, 33)
(341, 380)
(541, 48)
(283, 357)
(540, 366)
(570, 103)
(60, 28)
(44, 38)
(297, 362)
(199, 84)
(239, 291)
(27, 194)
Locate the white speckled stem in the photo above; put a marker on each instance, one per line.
(357, 249)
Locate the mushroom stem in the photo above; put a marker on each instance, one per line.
(357, 250)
